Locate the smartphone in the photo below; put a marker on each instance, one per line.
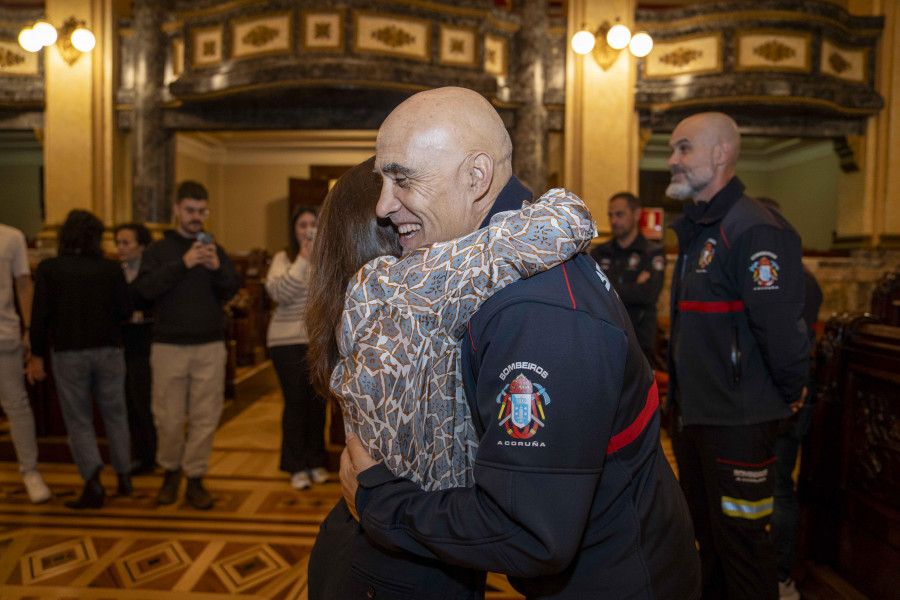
(205, 237)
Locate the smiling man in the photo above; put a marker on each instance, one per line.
(573, 497)
(738, 355)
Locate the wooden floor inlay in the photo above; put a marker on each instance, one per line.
(254, 543)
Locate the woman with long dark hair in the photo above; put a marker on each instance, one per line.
(80, 302)
(303, 419)
(384, 342)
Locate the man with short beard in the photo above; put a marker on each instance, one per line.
(738, 355)
(188, 277)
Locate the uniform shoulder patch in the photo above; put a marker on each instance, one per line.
(709, 251)
(522, 403)
(765, 270)
(659, 263)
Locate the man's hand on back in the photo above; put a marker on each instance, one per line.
(354, 460)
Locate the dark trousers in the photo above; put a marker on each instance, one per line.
(137, 399)
(727, 474)
(303, 420)
(786, 516)
(345, 564)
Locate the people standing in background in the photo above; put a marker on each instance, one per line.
(303, 420)
(80, 302)
(188, 277)
(131, 241)
(15, 349)
(786, 511)
(738, 355)
(635, 266)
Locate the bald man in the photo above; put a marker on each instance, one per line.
(741, 365)
(573, 498)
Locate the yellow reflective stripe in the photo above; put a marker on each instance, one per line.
(747, 509)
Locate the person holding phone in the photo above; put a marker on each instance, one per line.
(188, 277)
(303, 421)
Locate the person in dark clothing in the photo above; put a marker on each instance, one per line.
(573, 497)
(131, 241)
(786, 510)
(636, 267)
(188, 277)
(738, 355)
(80, 302)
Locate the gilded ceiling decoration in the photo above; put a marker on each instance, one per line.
(322, 31)
(8, 58)
(458, 46)
(838, 62)
(393, 36)
(209, 48)
(681, 57)
(774, 51)
(260, 35)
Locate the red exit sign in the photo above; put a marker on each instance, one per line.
(652, 223)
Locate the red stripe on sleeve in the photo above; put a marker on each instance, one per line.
(631, 433)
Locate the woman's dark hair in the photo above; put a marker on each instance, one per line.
(141, 233)
(293, 247)
(349, 235)
(81, 234)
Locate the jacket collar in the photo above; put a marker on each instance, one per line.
(638, 245)
(706, 213)
(512, 196)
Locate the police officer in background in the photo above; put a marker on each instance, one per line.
(635, 265)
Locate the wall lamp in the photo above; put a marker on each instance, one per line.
(614, 38)
(72, 40)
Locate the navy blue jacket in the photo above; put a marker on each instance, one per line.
(622, 266)
(573, 497)
(738, 348)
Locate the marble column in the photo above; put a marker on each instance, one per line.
(153, 153)
(529, 136)
(601, 129)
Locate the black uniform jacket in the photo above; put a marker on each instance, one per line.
(573, 496)
(187, 303)
(738, 351)
(622, 266)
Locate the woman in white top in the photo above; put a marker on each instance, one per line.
(303, 422)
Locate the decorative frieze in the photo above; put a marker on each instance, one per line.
(16, 61)
(395, 36)
(261, 35)
(694, 55)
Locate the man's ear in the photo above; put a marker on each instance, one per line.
(722, 153)
(481, 174)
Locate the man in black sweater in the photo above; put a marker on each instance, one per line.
(188, 277)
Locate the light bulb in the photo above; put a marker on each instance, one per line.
(46, 33)
(28, 39)
(583, 42)
(83, 39)
(641, 44)
(618, 36)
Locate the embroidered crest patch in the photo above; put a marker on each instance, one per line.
(522, 407)
(764, 269)
(634, 260)
(709, 251)
(659, 263)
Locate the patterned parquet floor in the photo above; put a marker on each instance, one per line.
(254, 543)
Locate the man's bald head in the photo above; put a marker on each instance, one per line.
(444, 156)
(705, 151)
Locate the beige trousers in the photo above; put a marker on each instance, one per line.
(188, 388)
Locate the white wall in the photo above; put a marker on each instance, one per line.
(247, 177)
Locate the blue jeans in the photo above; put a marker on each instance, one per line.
(786, 510)
(102, 371)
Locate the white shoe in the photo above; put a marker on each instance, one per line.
(300, 480)
(319, 475)
(37, 490)
(787, 590)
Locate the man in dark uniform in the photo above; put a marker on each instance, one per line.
(738, 355)
(573, 497)
(635, 266)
